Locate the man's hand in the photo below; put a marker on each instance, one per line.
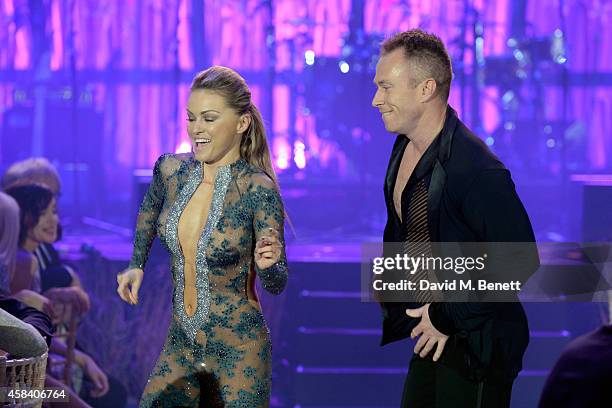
(430, 336)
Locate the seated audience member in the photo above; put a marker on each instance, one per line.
(582, 377)
(38, 226)
(18, 339)
(57, 281)
(24, 331)
(9, 233)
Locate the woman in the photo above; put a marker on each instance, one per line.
(219, 213)
(9, 233)
(38, 224)
(58, 281)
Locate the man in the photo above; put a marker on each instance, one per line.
(444, 185)
(583, 374)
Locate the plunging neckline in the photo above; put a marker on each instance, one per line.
(192, 323)
(199, 171)
(190, 308)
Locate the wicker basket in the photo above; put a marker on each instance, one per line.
(23, 373)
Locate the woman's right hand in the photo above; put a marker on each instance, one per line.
(129, 284)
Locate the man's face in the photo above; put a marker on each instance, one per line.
(396, 97)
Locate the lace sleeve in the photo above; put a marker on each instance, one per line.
(147, 217)
(270, 213)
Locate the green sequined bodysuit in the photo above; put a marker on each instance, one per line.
(227, 337)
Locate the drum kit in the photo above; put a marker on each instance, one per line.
(337, 90)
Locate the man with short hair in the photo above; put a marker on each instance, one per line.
(444, 185)
(37, 170)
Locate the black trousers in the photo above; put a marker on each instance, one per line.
(433, 385)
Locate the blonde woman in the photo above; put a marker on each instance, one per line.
(219, 213)
(9, 234)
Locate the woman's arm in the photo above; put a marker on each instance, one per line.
(147, 217)
(25, 269)
(268, 221)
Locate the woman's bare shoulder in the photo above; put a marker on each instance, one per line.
(26, 261)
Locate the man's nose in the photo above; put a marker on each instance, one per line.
(377, 100)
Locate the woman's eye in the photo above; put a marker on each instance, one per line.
(209, 119)
(190, 119)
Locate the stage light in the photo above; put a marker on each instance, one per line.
(550, 143)
(282, 152)
(509, 125)
(344, 67)
(479, 42)
(508, 97)
(299, 157)
(183, 147)
(489, 141)
(557, 47)
(309, 56)
(518, 55)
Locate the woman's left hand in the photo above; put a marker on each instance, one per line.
(268, 249)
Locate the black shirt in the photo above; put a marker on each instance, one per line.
(422, 171)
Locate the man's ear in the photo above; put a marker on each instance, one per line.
(243, 123)
(428, 89)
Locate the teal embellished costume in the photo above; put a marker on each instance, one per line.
(227, 337)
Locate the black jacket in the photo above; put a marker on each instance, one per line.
(471, 198)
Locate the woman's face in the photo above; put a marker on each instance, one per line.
(214, 128)
(45, 231)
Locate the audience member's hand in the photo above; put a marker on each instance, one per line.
(37, 301)
(96, 375)
(73, 295)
